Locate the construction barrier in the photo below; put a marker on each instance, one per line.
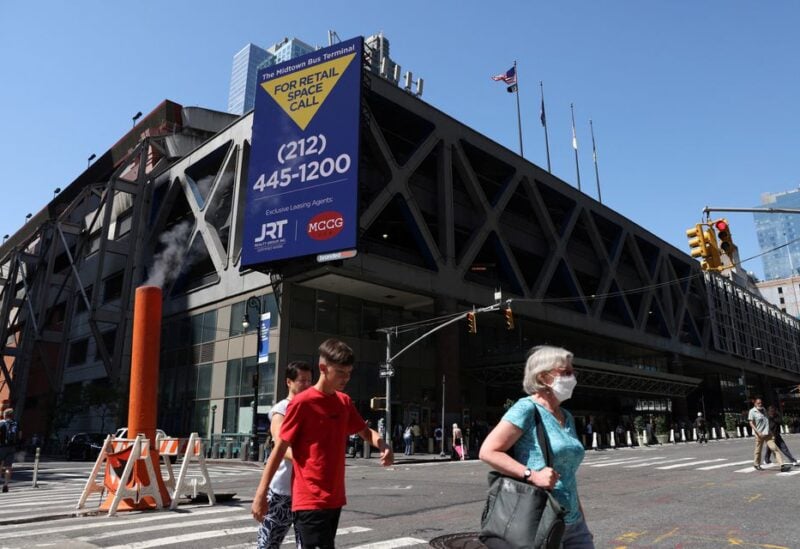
(192, 451)
(129, 477)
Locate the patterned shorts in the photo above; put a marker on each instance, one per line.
(276, 522)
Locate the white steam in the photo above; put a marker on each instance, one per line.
(168, 263)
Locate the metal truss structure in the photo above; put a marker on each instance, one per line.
(445, 213)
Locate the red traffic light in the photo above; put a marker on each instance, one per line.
(721, 225)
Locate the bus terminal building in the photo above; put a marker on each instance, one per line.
(440, 217)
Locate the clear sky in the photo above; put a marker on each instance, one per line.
(693, 103)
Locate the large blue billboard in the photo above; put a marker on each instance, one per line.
(302, 183)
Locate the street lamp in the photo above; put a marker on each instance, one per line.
(91, 157)
(254, 303)
(213, 417)
(136, 117)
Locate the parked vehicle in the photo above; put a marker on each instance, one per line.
(122, 432)
(85, 446)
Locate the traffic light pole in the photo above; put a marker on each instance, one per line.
(387, 370)
(709, 209)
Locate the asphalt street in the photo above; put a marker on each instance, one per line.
(684, 495)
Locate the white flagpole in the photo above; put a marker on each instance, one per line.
(575, 146)
(519, 116)
(594, 158)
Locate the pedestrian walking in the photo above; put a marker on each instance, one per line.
(759, 423)
(279, 496)
(700, 425)
(549, 380)
(458, 442)
(9, 441)
(316, 426)
(408, 440)
(775, 422)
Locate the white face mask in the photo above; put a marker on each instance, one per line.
(563, 386)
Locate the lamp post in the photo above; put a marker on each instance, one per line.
(91, 157)
(213, 417)
(254, 303)
(136, 117)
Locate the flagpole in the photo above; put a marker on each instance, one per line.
(543, 118)
(594, 157)
(575, 146)
(519, 116)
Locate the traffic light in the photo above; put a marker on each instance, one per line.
(508, 313)
(472, 326)
(703, 244)
(724, 234)
(697, 242)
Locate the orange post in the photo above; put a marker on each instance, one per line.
(143, 399)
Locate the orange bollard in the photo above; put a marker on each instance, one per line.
(143, 399)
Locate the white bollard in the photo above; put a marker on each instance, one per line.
(644, 438)
(683, 434)
(594, 441)
(713, 433)
(613, 442)
(672, 435)
(694, 433)
(738, 431)
(722, 433)
(784, 429)
(630, 442)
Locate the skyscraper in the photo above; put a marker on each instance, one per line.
(778, 235)
(242, 93)
(247, 63)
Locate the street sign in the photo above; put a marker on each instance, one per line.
(386, 372)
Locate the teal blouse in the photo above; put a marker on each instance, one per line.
(567, 450)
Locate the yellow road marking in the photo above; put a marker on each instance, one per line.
(631, 536)
(667, 535)
(754, 498)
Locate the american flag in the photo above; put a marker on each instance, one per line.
(509, 77)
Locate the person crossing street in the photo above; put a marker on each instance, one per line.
(759, 423)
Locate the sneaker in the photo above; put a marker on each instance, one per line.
(786, 468)
(758, 467)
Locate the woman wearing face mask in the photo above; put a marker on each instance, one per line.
(549, 380)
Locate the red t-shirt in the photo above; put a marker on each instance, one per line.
(316, 426)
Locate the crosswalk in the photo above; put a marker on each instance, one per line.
(23, 511)
(669, 463)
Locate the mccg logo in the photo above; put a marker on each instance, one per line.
(325, 225)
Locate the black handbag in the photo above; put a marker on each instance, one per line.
(519, 515)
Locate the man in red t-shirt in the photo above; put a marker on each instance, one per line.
(316, 426)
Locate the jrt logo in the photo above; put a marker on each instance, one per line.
(273, 230)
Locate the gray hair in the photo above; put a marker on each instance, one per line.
(542, 359)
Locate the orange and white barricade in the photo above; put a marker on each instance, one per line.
(121, 457)
(192, 450)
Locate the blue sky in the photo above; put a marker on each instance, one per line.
(693, 103)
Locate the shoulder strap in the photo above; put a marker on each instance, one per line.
(541, 435)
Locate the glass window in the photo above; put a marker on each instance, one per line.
(780, 290)
(303, 308)
(203, 381)
(233, 377)
(371, 319)
(327, 312)
(197, 329)
(201, 419)
(230, 415)
(209, 326)
(112, 287)
(237, 313)
(349, 316)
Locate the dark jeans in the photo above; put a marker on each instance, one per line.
(318, 527)
(783, 448)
